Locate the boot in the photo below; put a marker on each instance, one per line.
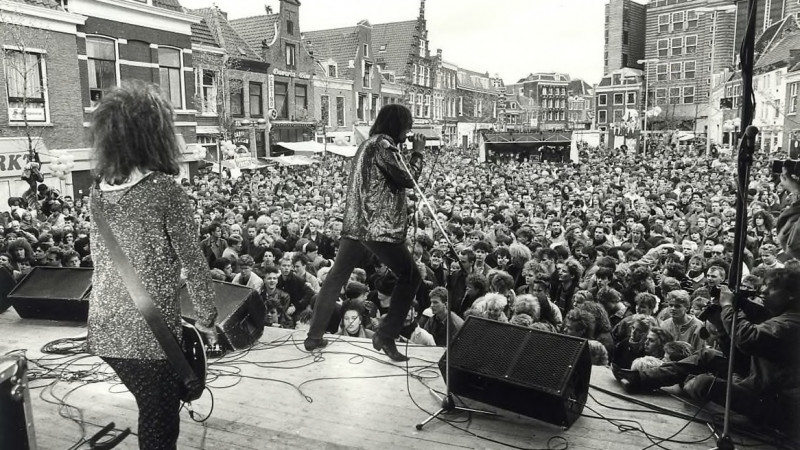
(388, 346)
(312, 344)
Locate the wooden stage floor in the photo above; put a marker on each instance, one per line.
(276, 396)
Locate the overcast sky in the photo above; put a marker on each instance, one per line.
(511, 38)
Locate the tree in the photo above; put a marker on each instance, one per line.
(23, 55)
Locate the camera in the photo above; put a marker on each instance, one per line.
(409, 137)
(792, 166)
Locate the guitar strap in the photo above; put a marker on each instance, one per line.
(144, 302)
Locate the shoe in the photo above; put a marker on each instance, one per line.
(388, 346)
(312, 344)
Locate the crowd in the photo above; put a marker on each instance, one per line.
(624, 251)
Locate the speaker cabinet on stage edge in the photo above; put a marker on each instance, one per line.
(534, 373)
(53, 293)
(16, 416)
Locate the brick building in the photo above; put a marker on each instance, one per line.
(624, 34)
(580, 105)
(38, 38)
(230, 82)
(347, 80)
(476, 105)
(446, 94)
(791, 124)
(549, 92)
(277, 38)
(619, 106)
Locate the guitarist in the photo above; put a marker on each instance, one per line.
(151, 216)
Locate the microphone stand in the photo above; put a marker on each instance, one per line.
(447, 401)
(745, 161)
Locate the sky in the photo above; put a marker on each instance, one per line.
(510, 38)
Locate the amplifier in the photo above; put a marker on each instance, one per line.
(16, 416)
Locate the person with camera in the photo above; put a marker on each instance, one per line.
(376, 222)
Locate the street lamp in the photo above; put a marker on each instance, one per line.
(715, 10)
(646, 63)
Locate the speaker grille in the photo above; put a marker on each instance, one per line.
(518, 355)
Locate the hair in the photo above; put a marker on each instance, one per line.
(646, 299)
(663, 336)
(523, 320)
(598, 353)
(602, 324)
(354, 289)
(440, 293)
(677, 350)
(679, 296)
(246, 261)
(132, 128)
(645, 362)
(393, 120)
(585, 323)
(529, 305)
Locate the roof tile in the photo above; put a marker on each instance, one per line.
(256, 29)
(224, 35)
(397, 41)
(339, 45)
(50, 4)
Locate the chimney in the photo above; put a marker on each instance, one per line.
(422, 10)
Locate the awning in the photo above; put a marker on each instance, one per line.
(293, 160)
(686, 136)
(348, 151)
(304, 146)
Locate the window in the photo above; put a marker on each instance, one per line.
(281, 105)
(690, 44)
(619, 98)
(367, 81)
(256, 99)
(325, 109)
(677, 21)
(290, 27)
(675, 71)
(362, 106)
(26, 85)
(663, 47)
(691, 19)
(601, 100)
(793, 98)
(332, 70)
(169, 70)
(366, 50)
(206, 89)
(291, 56)
(340, 111)
(460, 106)
(602, 116)
(631, 98)
(375, 106)
(688, 94)
(618, 115)
(383, 47)
(661, 72)
(625, 37)
(426, 112)
(674, 95)
(677, 46)
(101, 55)
(689, 70)
(237, 99)
(663, 23)
(661, 96)
(300, 96)
(624, 60)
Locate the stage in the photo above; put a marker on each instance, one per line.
(275, 395)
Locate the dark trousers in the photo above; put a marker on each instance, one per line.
(396, 257)
(155, 386)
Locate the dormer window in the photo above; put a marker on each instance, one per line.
(290, 27)
(332, 70)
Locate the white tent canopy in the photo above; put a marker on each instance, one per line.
(312, 147)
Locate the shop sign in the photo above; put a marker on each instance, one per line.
(291, 74)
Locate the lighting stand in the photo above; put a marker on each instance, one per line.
(447, 401)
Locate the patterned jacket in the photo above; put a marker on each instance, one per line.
(152, 221)
(376, 193)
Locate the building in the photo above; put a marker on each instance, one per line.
(402, 51)
(347, 80)
(625, 22)
(277, 38)
(39, 38)
(521, 112)
(446, 95)
(769, 81)
(791, 124)
(688, 41)
(580, 105)
(109, 42)
(230, 79)
(768, 12)
(619, 107)
(476, 106)
(549, 93)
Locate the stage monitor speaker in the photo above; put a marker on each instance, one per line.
(54, 293)
(240, 314)
(534, 373)
(16, 416)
